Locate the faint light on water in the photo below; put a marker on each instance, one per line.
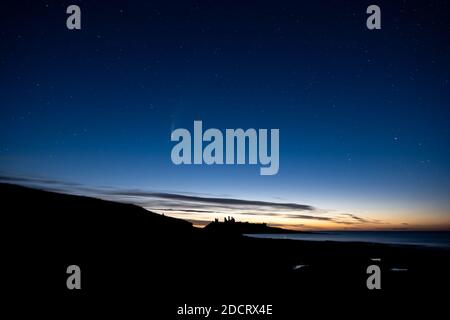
(299, 266)
(375, 259)
(399, 269)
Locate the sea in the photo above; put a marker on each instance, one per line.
(416, 238)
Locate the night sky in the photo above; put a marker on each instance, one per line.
(363, 115)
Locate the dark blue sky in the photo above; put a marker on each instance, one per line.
(363, 115)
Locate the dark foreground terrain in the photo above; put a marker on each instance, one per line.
(133, 259)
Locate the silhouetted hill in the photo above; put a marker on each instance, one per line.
(49, 231)
(79, 214)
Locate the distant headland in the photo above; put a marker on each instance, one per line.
(231, 226)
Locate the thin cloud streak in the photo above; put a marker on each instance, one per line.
(212, 200)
